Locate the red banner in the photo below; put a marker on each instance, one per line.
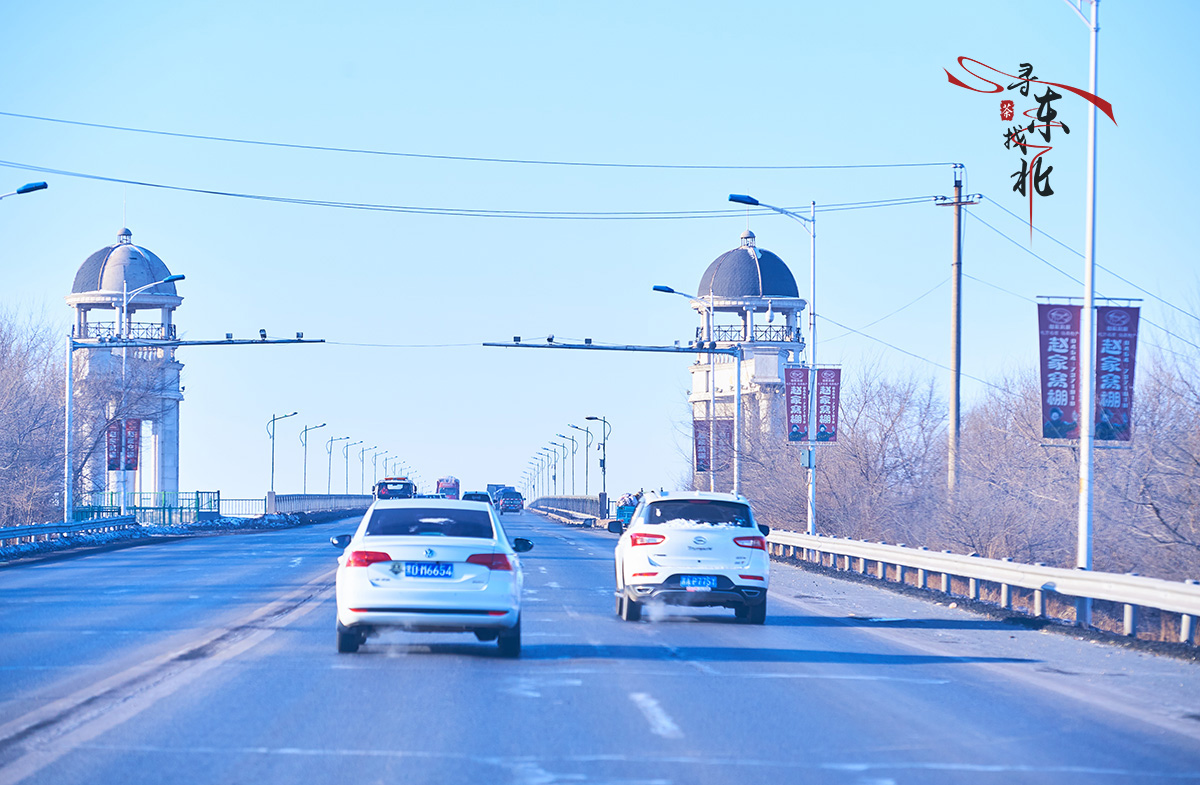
(829, 392)
(1058, 345)
(795, 386)
(722, 433)
(1116, 353)
(112, 446)
(133, 441)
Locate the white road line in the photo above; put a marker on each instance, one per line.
(660, 723)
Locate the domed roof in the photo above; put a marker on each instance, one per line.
(748, 271)
(109, 269)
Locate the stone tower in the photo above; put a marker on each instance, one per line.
(747, 297)
(112, 288)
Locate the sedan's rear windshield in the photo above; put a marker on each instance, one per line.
(476, 497)
(700, 511)
(416, 521)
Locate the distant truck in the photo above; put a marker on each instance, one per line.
(448, 487)
(493, 487)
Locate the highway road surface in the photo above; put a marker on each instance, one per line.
(212, 660)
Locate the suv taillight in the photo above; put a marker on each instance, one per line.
(646, 539)
(751, 542)
(493, 561)
(365, 558)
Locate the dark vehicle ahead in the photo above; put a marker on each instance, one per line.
(395, 488)
(511, 501)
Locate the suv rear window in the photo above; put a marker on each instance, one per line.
(476, 497)
(700, 511)
(416, 521)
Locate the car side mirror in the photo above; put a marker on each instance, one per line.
(764, 528)
(616, 527)
(340, 540)
(521, 545)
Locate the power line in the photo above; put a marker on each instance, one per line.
(467, 158)
(661, 215)
(1055, 240)
(893, 313)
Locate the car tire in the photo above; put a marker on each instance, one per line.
(348, 640)
(741, 612)
(510, 641)
(631, 610)
(757, 614)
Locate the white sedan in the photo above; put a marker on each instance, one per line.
(430, 565)
(693, 548)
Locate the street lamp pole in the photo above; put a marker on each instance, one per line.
(375, 465)
(587, 445)
(810, 225)
(271, 432)
(346, 455)
(304, 441)
(1087, 353)
(362, 468)
(574, 448)
(329, 449)
(603, 463)
(124, 326)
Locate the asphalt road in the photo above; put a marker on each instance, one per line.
(213, 661)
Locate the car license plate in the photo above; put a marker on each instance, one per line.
(698, 582)
(428, 569)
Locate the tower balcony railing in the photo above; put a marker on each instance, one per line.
(142, 331)
(762, 334)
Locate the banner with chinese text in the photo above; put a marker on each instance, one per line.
(1116, 353)
(112, 446)
(722, 433)
(829, 391)
(795, 387)
(1058, 347)
(133, 441)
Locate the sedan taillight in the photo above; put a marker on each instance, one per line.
(751, 542)
(365, 558)
(646, 539)
(493, 561)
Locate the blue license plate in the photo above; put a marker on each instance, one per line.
(698, 581)
(428, 569)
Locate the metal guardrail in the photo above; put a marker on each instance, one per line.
(312, 502)
(1132, 591)
(241, 508)
(13, 535)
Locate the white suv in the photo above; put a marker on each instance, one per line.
(693, 548)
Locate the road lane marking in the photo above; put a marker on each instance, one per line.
(49, 732)
(296, 561)
(661, 723)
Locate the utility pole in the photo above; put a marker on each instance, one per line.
(955, 331)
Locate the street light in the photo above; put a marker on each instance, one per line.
(810, 226)
(362, 468)
(346, 455)
(271, 433)
(551, 454)
(126, 297)
(587, 445)
(603, 463)
(712, 387)
(329, 449)
(574, 448)
(25, 189)
(564, 463)
(375, 465)
(304, 441)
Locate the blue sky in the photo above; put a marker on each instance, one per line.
(695, 83)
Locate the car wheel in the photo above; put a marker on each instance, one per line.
(757, 614)
(741, 612)
(510, 641)
(348, 640)
(631, 610)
